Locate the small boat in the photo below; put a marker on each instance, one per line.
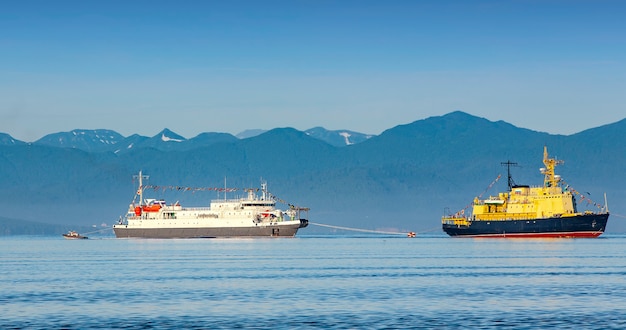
(74, 235)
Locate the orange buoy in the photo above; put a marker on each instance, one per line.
(411, 234)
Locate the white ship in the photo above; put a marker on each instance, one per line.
(252, 216)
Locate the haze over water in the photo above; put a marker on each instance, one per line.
(341, 282)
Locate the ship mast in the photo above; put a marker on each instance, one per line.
(508, 164)
(264, 191)
(550, 180)
(140, 190)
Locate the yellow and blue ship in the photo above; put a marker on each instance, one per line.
(549, 210)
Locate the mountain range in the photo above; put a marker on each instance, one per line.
(403, 179)
(103, 140)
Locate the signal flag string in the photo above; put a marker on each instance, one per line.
(194, 189)
(582, 197)
(462, 212)
(180, 188)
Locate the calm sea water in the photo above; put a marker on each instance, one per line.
(313, 282)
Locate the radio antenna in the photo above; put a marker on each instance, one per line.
(508, 165)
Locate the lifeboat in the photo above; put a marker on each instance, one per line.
(151, 208)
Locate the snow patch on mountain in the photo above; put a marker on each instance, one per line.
(346, 137)
(165, 138)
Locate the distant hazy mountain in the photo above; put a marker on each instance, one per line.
(206, 139)
(22, 227)
(107, 140)
(336, 138)
(250, 133)
(339, 137)
(88, 140)
(402, 179)
(130, 143)
(102, 140)
(8, 140)
(167, 140)
(164, 140)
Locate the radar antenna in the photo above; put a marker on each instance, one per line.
(508, 165)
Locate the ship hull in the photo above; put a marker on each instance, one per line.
(279, 230)
(584, 226)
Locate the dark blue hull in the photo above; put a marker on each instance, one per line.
(585, 225)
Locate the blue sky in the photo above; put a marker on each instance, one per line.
(227, 66)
